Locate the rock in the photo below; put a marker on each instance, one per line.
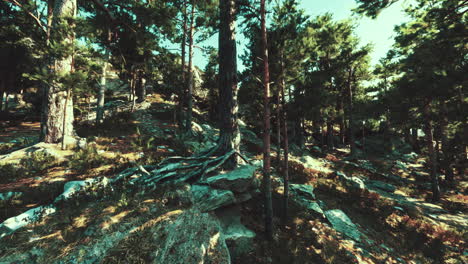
(239, 238)
(14, 223)
(341, 223)
(303, 197)
(355, 183)
(371, 184)
(303, 190)
(209, 199)
(193, 237)
(10, 195)
(196, 127)
(238, 180)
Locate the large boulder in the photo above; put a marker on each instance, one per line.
(208, 199)
(193, 237)
(341, 223)
(239, 238)
(238, 180)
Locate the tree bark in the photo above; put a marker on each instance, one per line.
(188, 120)
(229, 138)
(56, 103)
(431, 152)
(266, 128)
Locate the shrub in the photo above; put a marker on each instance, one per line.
(85, 159)
(32, 164)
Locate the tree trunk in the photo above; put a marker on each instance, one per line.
(229, 138)
(330, 135)
(278, 129)
(140, 87)
(181, 98)
(352, 142)
(266, 127)
(188, 121)
(102, 86)
(414, 136)
(431, 153)
(447, 158)
(56, 102)
(286, 147)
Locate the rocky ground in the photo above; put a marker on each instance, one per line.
(112, 201)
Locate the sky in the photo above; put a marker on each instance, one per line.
(378, 32)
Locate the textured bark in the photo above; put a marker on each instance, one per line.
(228, 124)
(55, 124)
(431, 153)
(447, 157)
(414, 139)
(188, 120)
(266, 128)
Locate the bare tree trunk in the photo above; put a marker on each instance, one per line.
(266, 128)
(44, 87)
(229, 138)
(414, 136)
(56, 102)
(140, 88)
(188, 121)
(431, 153)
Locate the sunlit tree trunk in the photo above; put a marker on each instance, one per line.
(266, 127)
(56, 125)
(140, 87)
(229, 138)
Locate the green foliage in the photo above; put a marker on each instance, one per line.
(32, 164)
(86, 159)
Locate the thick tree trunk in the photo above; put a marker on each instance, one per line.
(266, 128)
(229, 126)
(188, 120)
(431, 153)
(330, 144)
(447, 158)
(55, 124)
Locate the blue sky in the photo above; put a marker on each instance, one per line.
(377, 31)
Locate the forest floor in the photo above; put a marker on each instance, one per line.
(387, 199)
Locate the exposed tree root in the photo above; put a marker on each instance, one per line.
(180, 169)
